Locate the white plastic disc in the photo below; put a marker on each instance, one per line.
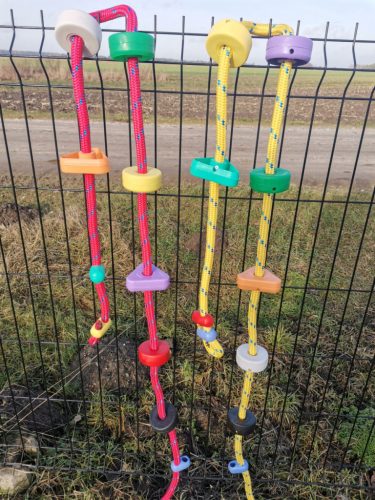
(78, 22)
(257, 363)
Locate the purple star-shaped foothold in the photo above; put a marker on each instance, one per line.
(136, 281)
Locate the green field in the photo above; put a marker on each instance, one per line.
(166, 79)
(167, 76)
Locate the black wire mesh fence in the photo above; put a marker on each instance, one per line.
(76, 411)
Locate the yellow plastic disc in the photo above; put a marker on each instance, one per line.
(233, 34)
(133, 181)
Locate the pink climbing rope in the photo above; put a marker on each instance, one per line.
(84, 129)
(89, 179)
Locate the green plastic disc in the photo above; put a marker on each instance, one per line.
(124, 45)
(269, 183)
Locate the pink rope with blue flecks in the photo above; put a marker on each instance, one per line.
(84, 127)
(89, 179)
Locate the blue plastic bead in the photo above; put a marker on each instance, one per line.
(97, 274)
(235, 468)
(209, 336)
(184, 464)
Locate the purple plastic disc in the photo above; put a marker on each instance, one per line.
(289, 48)
(136, 281)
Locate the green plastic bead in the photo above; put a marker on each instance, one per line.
(269, 183)
(124, 45)
(210, 170)
(97, 274)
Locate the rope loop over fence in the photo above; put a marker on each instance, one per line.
(251, 357)
(228, 43)
(127, 47)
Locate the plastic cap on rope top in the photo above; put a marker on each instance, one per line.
(82, 24)
(232, 34)
(296, 49)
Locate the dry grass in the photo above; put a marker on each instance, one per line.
(58, 71)
(114, 435)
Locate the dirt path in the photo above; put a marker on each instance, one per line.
(193, 139)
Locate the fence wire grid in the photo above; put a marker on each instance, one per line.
(87, 409)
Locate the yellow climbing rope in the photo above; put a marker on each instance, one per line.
(228, 44)
(244, 404)
(265, 220)
(214, 348)
(264, 29)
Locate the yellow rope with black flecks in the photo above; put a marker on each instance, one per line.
(265, 220)
(214, 348)
(244, 404)
(259, 29)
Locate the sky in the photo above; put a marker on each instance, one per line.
(313, 14)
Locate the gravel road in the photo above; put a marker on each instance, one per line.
(321, 152)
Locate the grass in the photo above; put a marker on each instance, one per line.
(166, 79)
(363, 445)
(113, 431)
(167, 75)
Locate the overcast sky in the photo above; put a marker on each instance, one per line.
(342, 14)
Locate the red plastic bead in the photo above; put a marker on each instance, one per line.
(199, 320)
(148, 357)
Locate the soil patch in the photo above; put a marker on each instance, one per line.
(114, 363)
(39, 415)
(9, 216)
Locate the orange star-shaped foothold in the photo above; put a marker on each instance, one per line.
(268, 283)
(94, 163)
